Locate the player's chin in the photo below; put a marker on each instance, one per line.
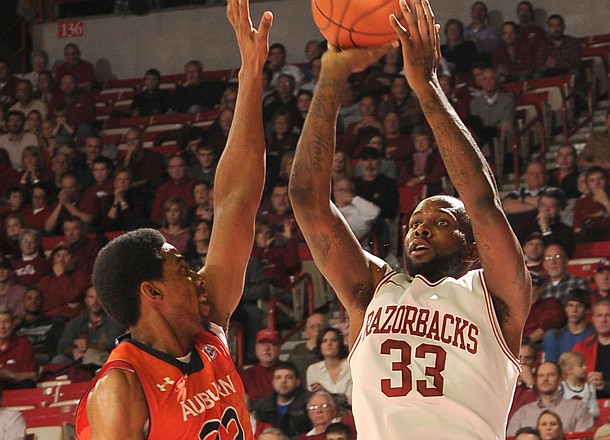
(204, 312)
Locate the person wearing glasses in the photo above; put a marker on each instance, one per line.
(560, 282)
(322, 412)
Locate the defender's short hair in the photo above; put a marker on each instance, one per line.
(121, 266)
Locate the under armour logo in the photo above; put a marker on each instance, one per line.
(162, 386)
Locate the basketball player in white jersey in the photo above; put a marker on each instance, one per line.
(433, 352)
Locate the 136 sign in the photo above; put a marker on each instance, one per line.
(69, 29)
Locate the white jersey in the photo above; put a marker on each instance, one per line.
(431, 362)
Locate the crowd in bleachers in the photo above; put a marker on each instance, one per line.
(81, 162)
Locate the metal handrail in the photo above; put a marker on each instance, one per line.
(297, 279)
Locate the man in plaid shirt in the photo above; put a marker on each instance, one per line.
(560, 281)
(559, 53)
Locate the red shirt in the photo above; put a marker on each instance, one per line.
(258, 381)
(83, 71)
(169, 189)
(61, 290)
(18, 356)
(30, 272)
(35, 220)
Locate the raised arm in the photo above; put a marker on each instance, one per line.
(349, 270)
(498, 248)
(241, 171)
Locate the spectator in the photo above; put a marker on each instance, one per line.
(197, 247)
(9, 244)
(387, 167)
(525, 390)
(349, 112)
(603, 432)
(193, 139)
(10, 176)
(459, 53)
(558, 54)
(332, 374)
(280, 215)
(8, 84)
(304, 98)
(533, 251)
(574, 414)
(85, 248)
(565, 175)
(402, 101)
(15, 141)
(601, 277)
(398, 147)
(550, 426)
(285, 406)
(528, 29)
(424, 167)
(178, 185)
(45, 87)
(43, 331)
(81, 70)
(313, 50)
(84, 166)
(358, 133)
(16, 355)
(228, 99)
(16, 200)
(276, 61)
(39, 60)
(528, 433)
(545, 313)
(37, 213)
(342, 167)
(194, 94)
(173, 227)
(202, 199)
(152, 100)
(145, 165)
(12, 424)
(34, 169)
(61, 163)
(514, 58)
(558, 341)
(25, 103)
(322, 411)
(32, 265)
(219, 131)
(207, 160)
(596, 349)
(282, 98)
(597, 149)
(574, 385)
(310, 86)
(34, 123)
(93, 332)
(592, 212)
(379, 75)
(63, 288)
(282, 136)
(11, 293)
(484, 36)
(272, 434)
(359, 213)
(258, 379)
(74, 107)
(303, 354)
(560, 281)
(338, 431)
(97, 198)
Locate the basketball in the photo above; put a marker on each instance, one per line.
(356, 23)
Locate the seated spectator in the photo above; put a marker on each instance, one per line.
(39, 61)
(85, 248)
(178, 185)
(16, 355)
(358, 133)
(349, 111)
(592, 211)
(258, 379)
(314, 49)
(70, 203)
(574, 385)
(550, 426)
(16, 202)
(84, 166)
(8, 84)
(596, 349)
(574, 413)
(128, 207)
(282, 136)
(338, 431)
(43, 331)
(387, 166)
(25, 103)
(332, 374)
(9, 241)
(82, 70)
(565, 175)
(545, 313)
(228, 99)
(34, 123)
(202, 198)
(12, 422)
(11, 293)
(218, 133)
(32, 265)
(528, 29)
(277, 251)
(558, 53)
(597, 149)
(98, 197)
(342, 167)
(398, 147)
(194, 94)
(285, 406)
(152, 100)
(525, 390)
(173, 227)
(528, 433)
(514, 58)
(577, 328)
(560, 281)
(272, 434)
(601, 277)
(79, 107)
(459, 53)
(283, 98)
(145, 164)
(206, 157)
(521, 205)
(45, 87)
(34, 169)
(61, 163)
(322, 411)
(359, 213)
(379, 75)
(276, 61)
(303, 354)
(64, 287)
(459, 98)
(10, 176)
(424, 167)
(304, 98)
(603, 432)
(38, 211)
(310, 86)
(93, 332)
(483, 35)
(402, 101)
(197, 246)
(279, 214)
(16, 138)
(533, 251)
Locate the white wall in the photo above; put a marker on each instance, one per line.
(124, 46)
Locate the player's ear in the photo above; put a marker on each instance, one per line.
(150, 291)
(471, 255)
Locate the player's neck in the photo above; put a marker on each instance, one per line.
(577, 327)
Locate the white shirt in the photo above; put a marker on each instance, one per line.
(319, 373)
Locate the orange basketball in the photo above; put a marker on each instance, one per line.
(356, 23)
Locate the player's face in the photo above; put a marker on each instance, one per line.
(285, 382)
(435, 245)
(601, 319)
(575, 311)
(547, 378)
(549, 428)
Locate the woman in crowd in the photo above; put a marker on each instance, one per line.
(197, 246)
(550, 426)
(174, 222)
(34, 168)
(128, 208)
(459, 54)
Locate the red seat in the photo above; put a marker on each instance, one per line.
(590, 250)
(53, 416)
(37, 397)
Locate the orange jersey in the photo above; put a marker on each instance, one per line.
(203, 399)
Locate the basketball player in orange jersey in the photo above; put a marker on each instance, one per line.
(173, 378)
(433, 352)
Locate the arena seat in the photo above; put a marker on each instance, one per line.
(582, 267)
(36, 397)
(594, 249)
(604, 412)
